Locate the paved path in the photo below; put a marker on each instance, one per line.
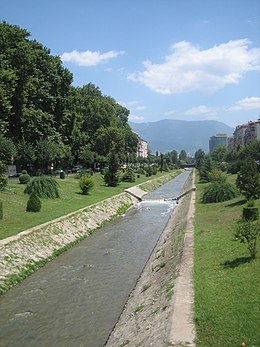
(183, 329)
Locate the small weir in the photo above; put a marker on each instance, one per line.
(76, 299)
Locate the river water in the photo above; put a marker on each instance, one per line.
(76, 299)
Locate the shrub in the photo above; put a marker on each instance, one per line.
(250, 213)
(1, 209)
(24, 178)
(140, 171)
(34, 203)
(129, 176)
(3, 181)
(86, 183)
(43, 186)
(62, 175)
(218, 192)
(111, 178)
(248, 231)
(3, 176)
(248, 179)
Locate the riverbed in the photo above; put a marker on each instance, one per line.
(76, 299)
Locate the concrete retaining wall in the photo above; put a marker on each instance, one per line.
(22, 254)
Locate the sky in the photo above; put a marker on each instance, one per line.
(161, 59)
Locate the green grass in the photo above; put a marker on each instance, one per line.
(16, 219)
(227, 283)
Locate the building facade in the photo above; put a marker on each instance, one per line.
(244, 134)
(142, 148)
(217, 140)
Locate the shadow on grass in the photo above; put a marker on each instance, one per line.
(236, 262)
(238, 203)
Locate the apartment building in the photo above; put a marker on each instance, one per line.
(245, 133)
(142, 148)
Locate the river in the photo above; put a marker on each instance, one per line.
(76, 299)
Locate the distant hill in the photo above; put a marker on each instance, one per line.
(168, 134)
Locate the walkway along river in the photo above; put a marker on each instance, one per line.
(76, 299)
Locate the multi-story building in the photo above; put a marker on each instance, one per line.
(217, 140)
(142, 148)
(245, 133)
(239, 134)
(252, 131)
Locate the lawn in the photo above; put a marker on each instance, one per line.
(226, 282)
(16, 218)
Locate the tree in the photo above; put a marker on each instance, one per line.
(183, 156)
(248, 179)
(199, 157)
(7, 149)
(111, 176)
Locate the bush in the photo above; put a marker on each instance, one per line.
(24, 178)
(111, 178)
(248, 231)
(140, 171)
(34, 203)
(43, 186)
(3, 181)
(218, 192)
(86, 183)
(1, 209)
(62, 175)
(250, 213)
(129, 176)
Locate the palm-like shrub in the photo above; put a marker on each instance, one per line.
(43, 186)
(86, 183)
(34, 203)
(218, 192)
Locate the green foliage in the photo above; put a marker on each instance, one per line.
(205, 168)
(218, 192)
(86, 183)
(250, 213)
(34, 203)
(1, 210)
(248, 179)
(3, 182)
(62, 175)
(129, 175)
(216, 175)
(111, 176)
(7, 149)
(248, 231)
(43, 186)
(24, 178)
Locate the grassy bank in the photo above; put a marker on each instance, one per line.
(16, 218)
(227, 285)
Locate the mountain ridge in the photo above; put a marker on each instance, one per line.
(169, 134)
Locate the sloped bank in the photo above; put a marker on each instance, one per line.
(24, 253)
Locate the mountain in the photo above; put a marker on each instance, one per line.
(169, 134)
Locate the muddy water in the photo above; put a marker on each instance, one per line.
(76, 299)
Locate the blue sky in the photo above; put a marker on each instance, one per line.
(162, 59)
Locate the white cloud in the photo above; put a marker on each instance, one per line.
(249, 103)
(135, 118)
(188, 68)
(169, 113)
(201, 110)
(89, 58)
(133, 105)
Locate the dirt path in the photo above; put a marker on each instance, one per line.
(154, 310)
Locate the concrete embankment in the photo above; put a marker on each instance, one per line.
(22, 254)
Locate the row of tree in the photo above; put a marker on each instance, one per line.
(242, 160)
(44, 119)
